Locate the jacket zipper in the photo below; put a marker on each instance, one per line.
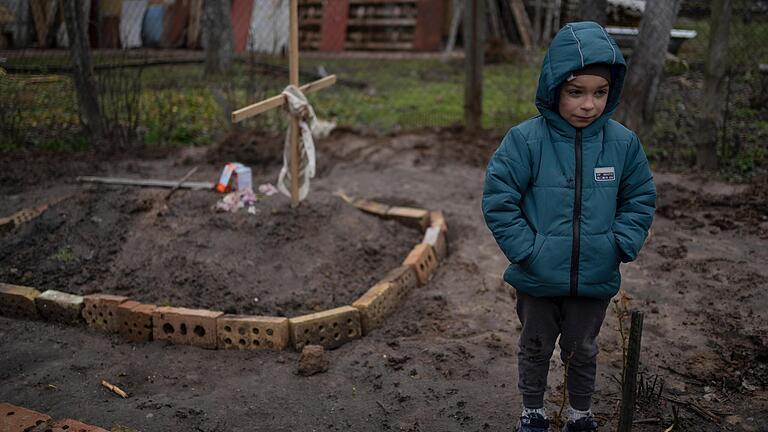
(576, 220)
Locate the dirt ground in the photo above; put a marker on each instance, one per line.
(446, 361)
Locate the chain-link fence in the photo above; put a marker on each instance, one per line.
(168, 72)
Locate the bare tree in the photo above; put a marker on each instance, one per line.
(82, 67)
(594, 10)
(711, 103)
(474, 55)
(645, 66)
(217, 34)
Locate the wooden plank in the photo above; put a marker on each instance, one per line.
(276, 101)
(333, 32)
(522, 22)
(241, 23)
(38, 15)
(293, 65)
(146, 182)
(404, 46)
(383, 22)
(629, 380)
(193, 29)
(428, 34)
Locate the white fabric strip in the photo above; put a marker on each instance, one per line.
(298, 106)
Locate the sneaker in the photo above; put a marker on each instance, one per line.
(533, 422)
(584, 424)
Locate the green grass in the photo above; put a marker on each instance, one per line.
(65, 255)
(178, 105)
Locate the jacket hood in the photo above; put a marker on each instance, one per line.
(575, 46)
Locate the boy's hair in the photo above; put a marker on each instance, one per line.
(602, 70)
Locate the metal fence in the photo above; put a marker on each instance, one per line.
(150, 58)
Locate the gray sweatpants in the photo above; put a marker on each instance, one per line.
(577, 320)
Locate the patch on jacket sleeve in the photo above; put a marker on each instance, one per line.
(604, 174)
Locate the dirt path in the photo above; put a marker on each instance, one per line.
(446, 361)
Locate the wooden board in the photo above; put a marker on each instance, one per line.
(175, 24)
(241, 22)
(333, 30)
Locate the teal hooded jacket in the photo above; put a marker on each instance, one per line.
(567, 205)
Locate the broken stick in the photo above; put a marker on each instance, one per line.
(117, 390)
(178, 185)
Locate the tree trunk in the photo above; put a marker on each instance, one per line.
(712, 102)
(474, 47)
(646, 63)
(82, 68)
(594, 10)
(217, 32)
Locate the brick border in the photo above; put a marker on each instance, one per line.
(213, 330)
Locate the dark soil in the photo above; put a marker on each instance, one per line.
(128, 241)
(445, 361)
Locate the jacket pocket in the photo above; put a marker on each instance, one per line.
(551, 263)
(599, 258)
(538, 242)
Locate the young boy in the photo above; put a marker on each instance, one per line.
(568, 196)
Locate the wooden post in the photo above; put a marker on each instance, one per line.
(293, 65)
(629, 380)
(474, 47)
(82, 68)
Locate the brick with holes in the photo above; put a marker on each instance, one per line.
(405, 276)
(378, 303)
(134, 320)
(245, 332)
(61, 307)
(185, 326)
(100, 311)
(18, 301)
(422, 259)
(14, 418)
(69, 425)
(414, 217)
(331, 328)
(435, 237)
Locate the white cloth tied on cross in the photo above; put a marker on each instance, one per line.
(297, 106)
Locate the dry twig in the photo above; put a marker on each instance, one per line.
(117, 390)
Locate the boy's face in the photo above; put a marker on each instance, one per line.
(583, 99)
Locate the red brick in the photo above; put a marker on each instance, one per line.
(185, 326)
(331, 328)
(252, 332)
(18, 301)
(13, 418)
(414, 217)
(403, 275)
(100, 311)
(134, 321)
(69, 425)
(422, 259)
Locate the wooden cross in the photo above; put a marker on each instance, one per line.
(276, 101)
